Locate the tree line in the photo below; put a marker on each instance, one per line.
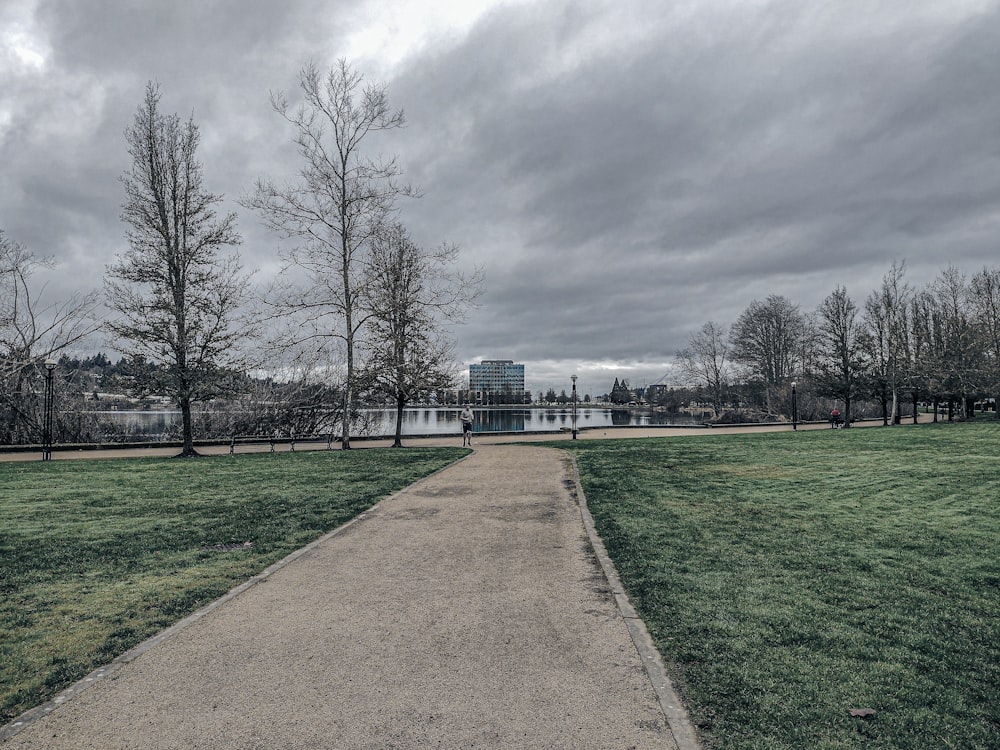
(903, 345)
(358, 308)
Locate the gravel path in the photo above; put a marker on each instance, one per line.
(468, 611)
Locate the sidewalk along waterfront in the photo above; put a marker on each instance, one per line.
(167, 449)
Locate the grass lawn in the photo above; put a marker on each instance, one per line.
(790, 577)
(96, 556)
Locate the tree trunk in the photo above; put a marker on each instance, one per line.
(397, 441)
(187, 430)
(345, 419)
(915, 399)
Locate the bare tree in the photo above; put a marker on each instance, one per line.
(985, 298)
(841, 360)
(961, 355)
(769, 340)
(411, 295)
(177, 298)
(706, 362)
(887, 322)
(341, 196)
(925, 381)
(32, 330)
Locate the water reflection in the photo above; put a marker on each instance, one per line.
(441, 421)
(144, 424)
(445, 421)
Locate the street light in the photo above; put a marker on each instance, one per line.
(50, 365)
(573, 378)
(795, 409)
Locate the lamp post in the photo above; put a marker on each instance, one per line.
(50, 365)
(795, 409)
(573, 378)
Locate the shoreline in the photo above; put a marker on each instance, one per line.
(220, 448)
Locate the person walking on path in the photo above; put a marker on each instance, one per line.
(467, 419)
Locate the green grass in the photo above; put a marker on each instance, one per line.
(788, 578)
(96, 556)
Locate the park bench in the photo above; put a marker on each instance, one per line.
(272, 440)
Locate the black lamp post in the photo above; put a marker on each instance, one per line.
(795, 409)
(50, 365)
(573, 378)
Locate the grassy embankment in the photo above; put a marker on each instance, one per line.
(789, 578)
(96, 556)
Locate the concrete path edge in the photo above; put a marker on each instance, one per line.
(34, 714)
(673, 709)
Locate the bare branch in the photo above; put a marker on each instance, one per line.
(333, 209)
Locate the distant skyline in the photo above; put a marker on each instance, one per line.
(623, 172)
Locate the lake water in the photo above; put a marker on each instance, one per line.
(445, 421)
(438, 421)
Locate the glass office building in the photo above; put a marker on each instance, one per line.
(497, 381)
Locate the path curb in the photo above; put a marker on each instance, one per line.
(670, 703)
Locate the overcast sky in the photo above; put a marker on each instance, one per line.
(623, 171)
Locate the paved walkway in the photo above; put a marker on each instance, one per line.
(468, 611)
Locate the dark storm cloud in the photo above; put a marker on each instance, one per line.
(661, 183)
(623, 172)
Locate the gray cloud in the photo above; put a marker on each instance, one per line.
(623, 172)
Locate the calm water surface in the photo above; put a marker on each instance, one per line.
(445, 421)
(437, 421)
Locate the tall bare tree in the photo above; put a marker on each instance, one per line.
(841, 363)
(985, 298)
(925, 381)
(961, 359)
(412, 295)
(332, 210)
(887, 322)
(32, 330)
(705, 361)
(176, 296)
